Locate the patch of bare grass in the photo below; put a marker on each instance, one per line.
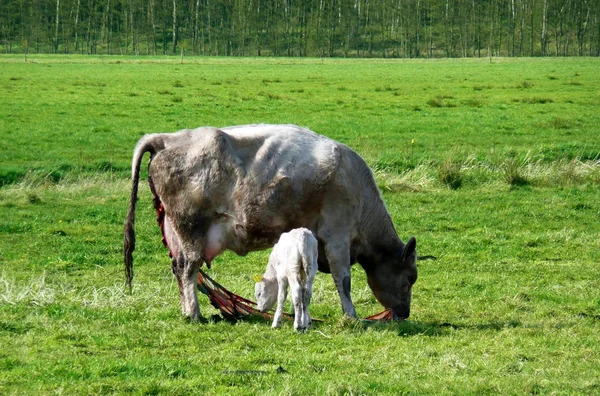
(386, 88)
(412, 180)
(443, 100)
(525, 85)
(535, 100)
(561, 123)
(565, 173)
(435, 102)
(450, 172)
(473, 103)
(273, 96)
(513, 171)
(455, 173)
(540, 100)
(37, 291)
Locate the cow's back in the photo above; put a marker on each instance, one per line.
(194, 170)
(257, 181)
(286, 171)
(272, 152)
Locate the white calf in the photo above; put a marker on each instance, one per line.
(293, 262)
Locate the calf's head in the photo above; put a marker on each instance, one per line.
(265, 291)
(393, 277)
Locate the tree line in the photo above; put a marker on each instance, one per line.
(323, 28)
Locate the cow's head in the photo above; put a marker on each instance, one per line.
(391, 280)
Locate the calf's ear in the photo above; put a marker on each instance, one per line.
(257, 278)
(409, 248)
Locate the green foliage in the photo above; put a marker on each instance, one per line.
(511, 305)
(342, 28)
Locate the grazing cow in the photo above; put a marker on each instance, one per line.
(241, 187)
(292, 262)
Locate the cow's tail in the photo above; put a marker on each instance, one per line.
(152, 144)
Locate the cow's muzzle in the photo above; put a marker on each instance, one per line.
(400, 313)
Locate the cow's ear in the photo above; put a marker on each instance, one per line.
(409, 248)
(257, 278)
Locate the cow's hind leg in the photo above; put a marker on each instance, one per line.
(187, 279)
(177, 269)
(185, 264)
(190, 286)
(189, 262)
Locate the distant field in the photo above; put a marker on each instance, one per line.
(500, 185)
(78, 113)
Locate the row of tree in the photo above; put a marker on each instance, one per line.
(325, 28)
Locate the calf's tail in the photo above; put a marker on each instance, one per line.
(151, 144)
(308, 262)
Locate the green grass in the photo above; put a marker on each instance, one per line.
(510, 306)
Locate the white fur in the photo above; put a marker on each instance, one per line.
(292, 263)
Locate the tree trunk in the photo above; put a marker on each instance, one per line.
(196, 26)
(532, 49)
(56, 26)
(513, 25)
(76, 26)
(544, 33)
(417, 32)
(174, 26)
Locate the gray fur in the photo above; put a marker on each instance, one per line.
(240, 188)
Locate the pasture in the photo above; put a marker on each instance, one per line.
(494, 167)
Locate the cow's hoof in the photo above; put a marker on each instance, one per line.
(195, 318)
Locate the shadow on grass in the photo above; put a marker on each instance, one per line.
(435, 329)
(405, 328)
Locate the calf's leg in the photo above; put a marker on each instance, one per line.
(298, 303)
(306, 297)
(281, 296)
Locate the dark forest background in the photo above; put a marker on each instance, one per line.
(323, 28)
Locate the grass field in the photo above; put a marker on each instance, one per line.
(501, 184)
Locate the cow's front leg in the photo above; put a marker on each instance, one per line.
(338, 255)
